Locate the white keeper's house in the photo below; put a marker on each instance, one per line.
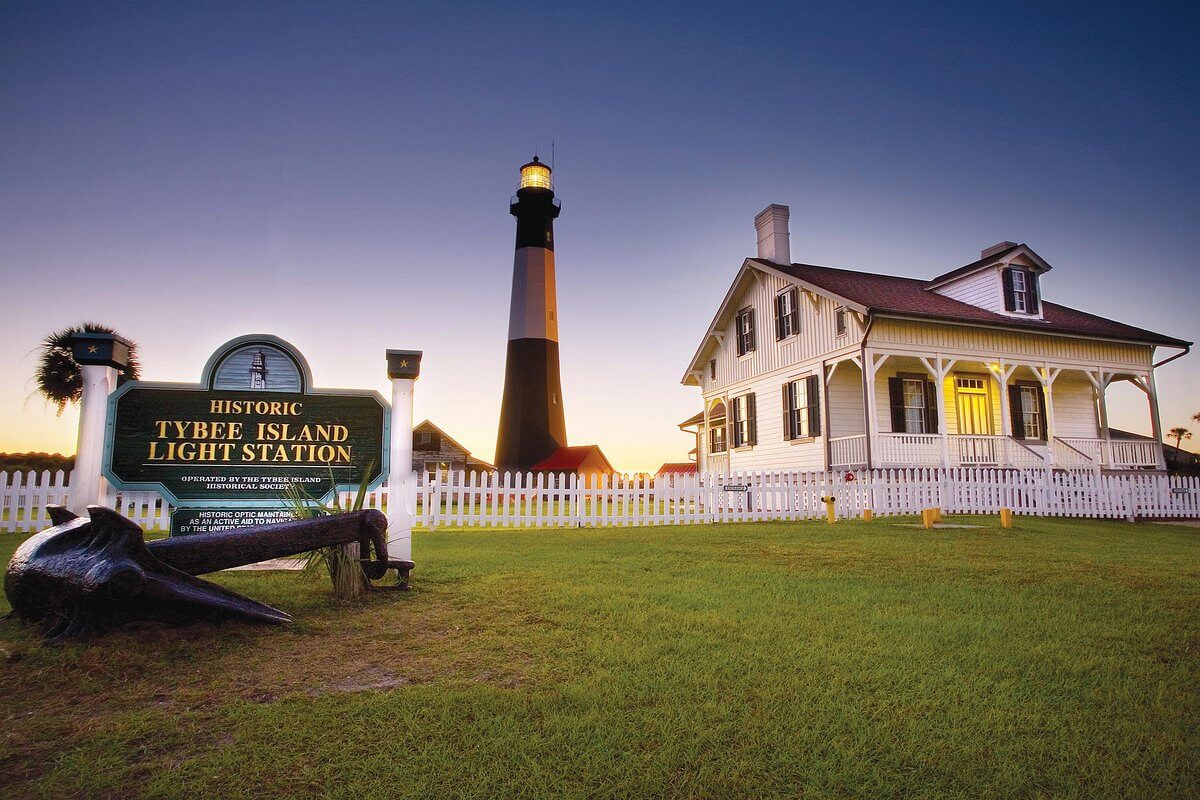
(808, 367)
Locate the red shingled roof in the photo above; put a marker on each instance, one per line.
(670, 468)
(889, 294)
(570, 459)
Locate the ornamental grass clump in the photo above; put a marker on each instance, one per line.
(340, 562)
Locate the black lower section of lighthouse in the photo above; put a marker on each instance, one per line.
(532, 424)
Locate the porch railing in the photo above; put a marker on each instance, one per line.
(1070, 457)
(1118, 454)
(848, 451)
(908, 449)
(965, 450)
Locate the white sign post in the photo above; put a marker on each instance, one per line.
(99, 356)
(404, 366)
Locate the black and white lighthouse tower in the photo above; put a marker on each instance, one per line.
(532, 426)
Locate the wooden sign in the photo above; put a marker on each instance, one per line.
(248, 435)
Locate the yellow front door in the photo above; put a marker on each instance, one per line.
(974, 413)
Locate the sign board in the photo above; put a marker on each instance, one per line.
(252, 428)
(206, 520)
(736, 488)
(1180, 490)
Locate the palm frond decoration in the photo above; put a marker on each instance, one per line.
(58, 377)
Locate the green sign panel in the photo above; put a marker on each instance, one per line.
(250, 431)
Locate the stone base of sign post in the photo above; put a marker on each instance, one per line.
(99, 356)
(404, 366)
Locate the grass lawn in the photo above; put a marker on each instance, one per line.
(1061, 658)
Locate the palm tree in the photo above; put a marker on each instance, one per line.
(58, 377)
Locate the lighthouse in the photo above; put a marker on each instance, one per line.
(532, 425)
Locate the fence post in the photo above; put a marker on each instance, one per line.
(404, 366)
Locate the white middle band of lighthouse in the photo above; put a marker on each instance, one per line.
(534, 310)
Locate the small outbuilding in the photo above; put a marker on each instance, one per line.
(582, 460)
(435, 453)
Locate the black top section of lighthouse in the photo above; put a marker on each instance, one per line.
(535, 207)
(532, 425)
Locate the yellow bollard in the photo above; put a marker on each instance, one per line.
(1006, 518)
(830, 514)
(937, 514)
(927, 517)
(868, 515)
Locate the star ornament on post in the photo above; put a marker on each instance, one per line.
(404, 364)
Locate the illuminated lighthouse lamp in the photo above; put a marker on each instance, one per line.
(535, 175)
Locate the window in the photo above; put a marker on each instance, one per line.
(716, 439)
(1020, 295)
(1020, 291)
(437, 469)
(801, 408)
(839, 320)
(914, 406)
(913, 401)
(745, 331)
(712, 369)
(1028, 409)
(745, 431)
(787, 314)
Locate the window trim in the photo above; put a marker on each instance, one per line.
(841, 322)
(736, 423)
(744, 347)
(1039, 395)
(790, 433)
(792, 317)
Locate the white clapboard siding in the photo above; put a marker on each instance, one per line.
(526, 500)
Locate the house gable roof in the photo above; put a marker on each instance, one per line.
(909, 297)
(890, 295)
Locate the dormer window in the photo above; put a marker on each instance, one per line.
(1020, 291)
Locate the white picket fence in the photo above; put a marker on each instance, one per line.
(503, 500)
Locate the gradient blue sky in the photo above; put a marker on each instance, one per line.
(338, 174)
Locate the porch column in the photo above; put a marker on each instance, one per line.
(1155, 420)
(1046, 377)
(702, 440)
(939, 369)
(1003, 375)
(869, 368)
(1100, 391)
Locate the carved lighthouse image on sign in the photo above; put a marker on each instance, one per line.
(532, 424)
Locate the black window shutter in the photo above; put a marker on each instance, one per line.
(795, 310)
(787, 413)
(753, 342)
(1014, 412)
(1031, 289)
(931, 407)
(1010, 303)
(896, 397)
(814, 406)
(1042, 410)
(752, 422)
(778, 316)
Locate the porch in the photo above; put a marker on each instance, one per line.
(980, 411)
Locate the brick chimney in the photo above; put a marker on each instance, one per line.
(772, 226)
(988, 252)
